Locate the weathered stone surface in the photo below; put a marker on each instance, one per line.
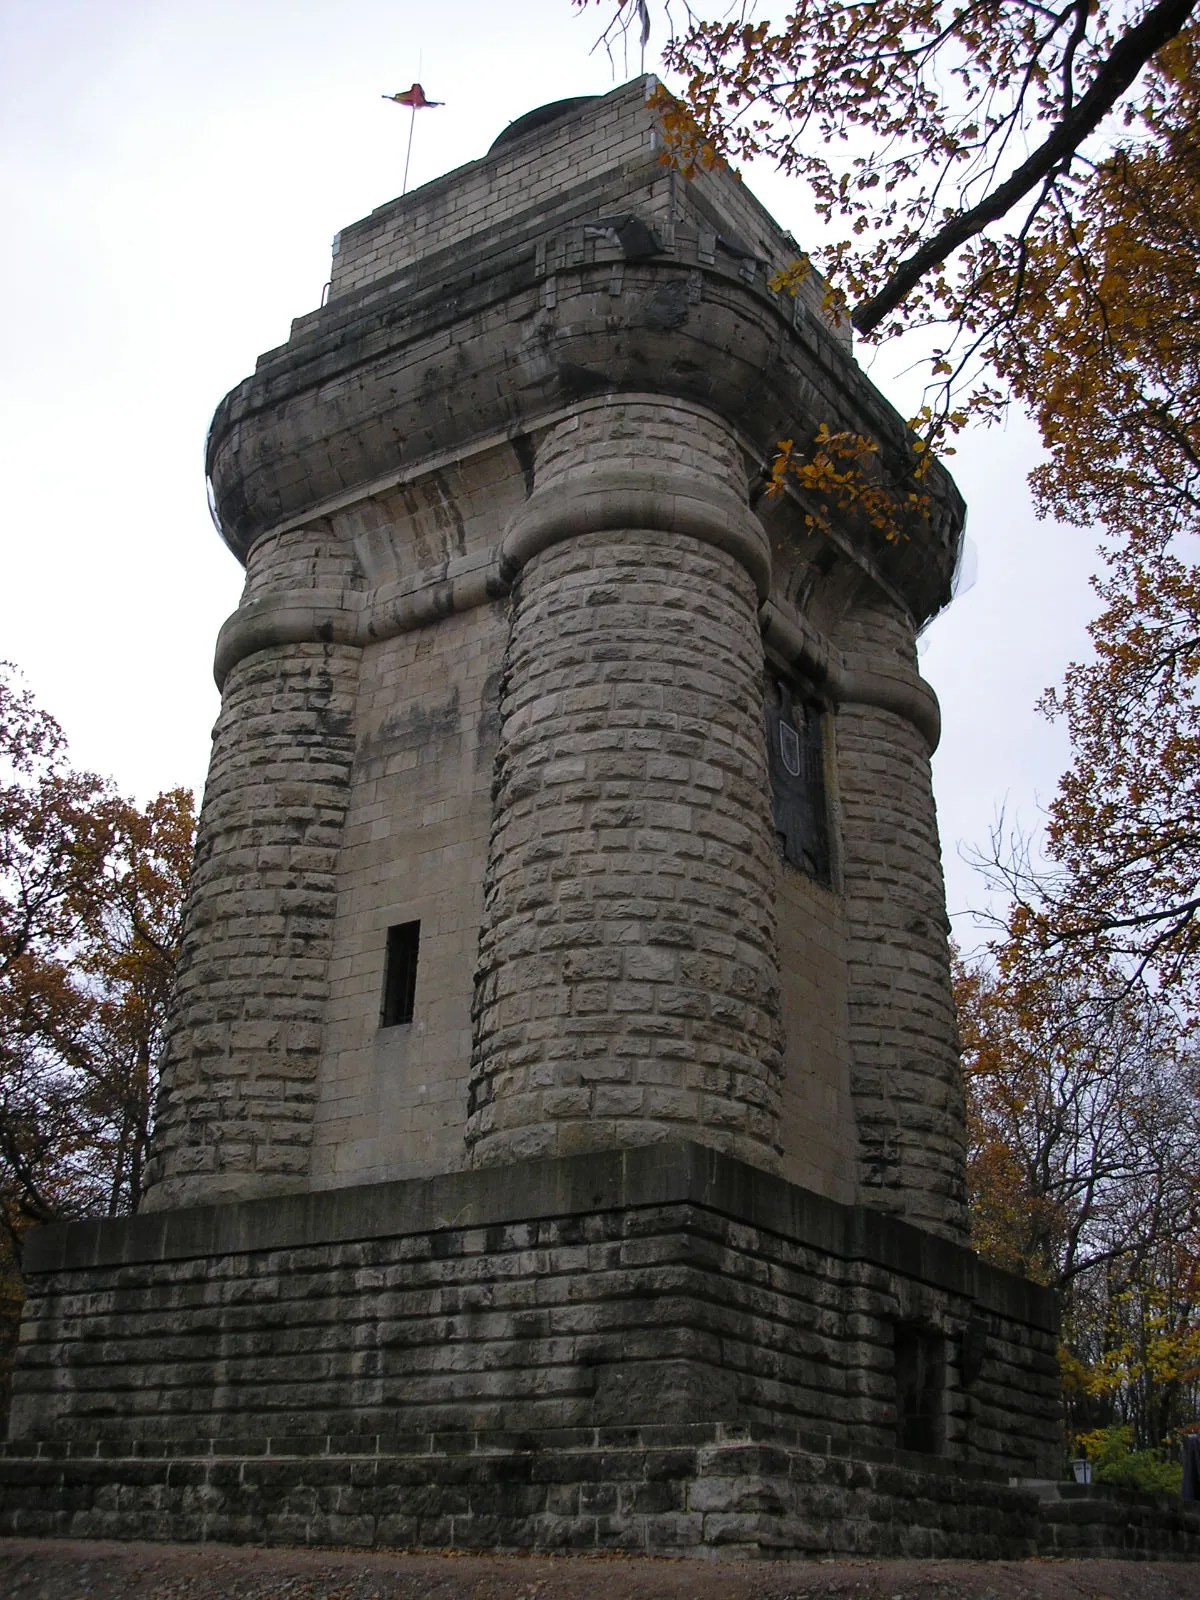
(489, 303)
(628, 980)
(639, 1224)
(496, 467)
(1077, 1520)
(703, 1495)
(242, 1062)
(666, 1344)
(666, 1285)
(906, 1083)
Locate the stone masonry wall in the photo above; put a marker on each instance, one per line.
(393, 1101)
(628, 986)
(905, 1081)
(819, 1146)
(674, 1491)
(560, 172)
(239, 1072)
(649, 1288)
(671, 1491)
(528, 174)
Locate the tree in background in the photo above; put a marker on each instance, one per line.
(1123, 833)
(1018, 182)
(91, 896)
(1084, 1174)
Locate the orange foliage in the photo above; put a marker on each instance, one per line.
(1021, 183)
(91, 894)
(1084, 1172)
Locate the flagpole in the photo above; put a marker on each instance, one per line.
(412, 122)
(416, 100)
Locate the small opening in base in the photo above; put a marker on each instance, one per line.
(920, 1380)
(400, 974)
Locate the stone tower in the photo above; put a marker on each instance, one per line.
(560, 1125)
(512, 593)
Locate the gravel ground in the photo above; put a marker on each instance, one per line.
(37, 1569)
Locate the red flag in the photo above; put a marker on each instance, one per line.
(414, 97)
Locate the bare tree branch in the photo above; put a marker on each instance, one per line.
(1129, 55)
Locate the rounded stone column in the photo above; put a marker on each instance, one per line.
(239, 1070)
(628, 990)
(906, 1081)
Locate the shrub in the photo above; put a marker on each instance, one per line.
(1115, 1461)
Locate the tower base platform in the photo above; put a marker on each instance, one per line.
(660, 1349)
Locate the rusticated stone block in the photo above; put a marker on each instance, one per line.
(243, 1050)
(906, 1084)
(679, 1289)
(591, 1029)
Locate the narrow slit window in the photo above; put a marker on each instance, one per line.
(400, 974)
(796, 765)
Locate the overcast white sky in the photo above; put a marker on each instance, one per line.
(172, 174)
